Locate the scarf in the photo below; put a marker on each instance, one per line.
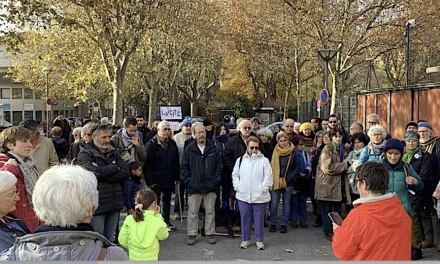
(377, 149)
(409, 154)
(127, 139)
(30, 173)
(339, 149)
(308, 141)
(275, 163)
(301, 160)
(429, 145)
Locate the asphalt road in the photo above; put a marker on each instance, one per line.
(306, 244)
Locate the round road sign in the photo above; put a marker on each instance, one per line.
(324, 96)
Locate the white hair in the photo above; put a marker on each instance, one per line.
(77, 130)
(85, 127)
(104, 121)
(193, 127)
(265, 131)
(377, 128)
(64, 194)
(375, 116)
(288, 119)
(297, 124)
(7, 181)
(162, 124)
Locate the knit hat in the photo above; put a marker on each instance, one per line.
(425, 124)
(411, 135)
(306, 125)
(411, 123)
(255, 119)
(187, 121)
(393, 143)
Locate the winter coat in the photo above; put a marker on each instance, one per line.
(10, 230)
(421, 162)
(235, 149)
(142, 238)
(143, 131)
(397, 183)
(375, 224)
(44, 154)
(353, 158)
(368, 154)
(63, 245)
(111, 174)
(294, 168)
(267, 150)
(132, 186)
(221, 142)
(252, 178)
(330, 174)
(162, 164)
(75, 147)
(139, 152)
(201, 173)
(65, 127)
(24, 209)
(61, 146)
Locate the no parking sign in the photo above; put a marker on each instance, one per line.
(324, 96)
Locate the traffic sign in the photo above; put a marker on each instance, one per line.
(95, 104)
(324, 96)
(48, 101)
(318, 104)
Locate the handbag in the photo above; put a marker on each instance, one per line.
(283, 182)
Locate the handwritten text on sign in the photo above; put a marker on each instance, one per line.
(170, 112)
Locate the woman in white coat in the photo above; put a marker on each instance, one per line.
(252, 178)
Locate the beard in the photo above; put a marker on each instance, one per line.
(201, 140)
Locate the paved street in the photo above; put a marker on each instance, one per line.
(297, 244)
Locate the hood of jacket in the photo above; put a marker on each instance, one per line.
(385, 209)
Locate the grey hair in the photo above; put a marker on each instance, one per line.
(64, 194)
(265, 131)
(375, 116)
(411, 135)
(288, 119)
(77, 130)
(193, 127)
(162, 124)
(104, 121)
(85, 127)
(377, 128)
(7, 181)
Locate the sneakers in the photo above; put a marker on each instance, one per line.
(273, 228)
(283, 229)
(177, 217)
(293, 225)
(171, 228)
(302, 224)
(416, 253)
(236, 228)
(211, 239)
(260, 246)
(191, 240)
(245, 244)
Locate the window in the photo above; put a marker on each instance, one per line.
(17, 117)
(6, 93)
(7, 115)
(28, 93)
(28, 115)
(17, 93)
(39, 95)
(39, 116)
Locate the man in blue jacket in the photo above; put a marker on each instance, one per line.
(161, 168)
(201, 171)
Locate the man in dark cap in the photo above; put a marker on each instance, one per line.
(208, 127)
(411, 126)
(255, 124)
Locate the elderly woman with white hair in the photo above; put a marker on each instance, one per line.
(265, 135)
(10, 226)
(375, 148)
(65, 198)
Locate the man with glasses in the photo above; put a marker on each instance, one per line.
(43, 150)
(431, 145)
(372, 120)
(367, 231)
(161, 168)
(235, 149)
(201, 171)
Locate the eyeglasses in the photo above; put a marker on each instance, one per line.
(16, 194)
(372, 123)
(424, 131)
(332, 122)
(288, 126)
(166, 129)
(247, 128)
(256, 148)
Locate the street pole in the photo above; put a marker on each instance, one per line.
(46, 71)
(410, 24)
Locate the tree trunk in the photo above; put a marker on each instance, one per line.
(193, 108)
(298, 86)
(334, 103)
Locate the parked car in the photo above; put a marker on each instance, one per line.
(272, 126)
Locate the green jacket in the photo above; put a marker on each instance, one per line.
(140, 153)
(142, 238)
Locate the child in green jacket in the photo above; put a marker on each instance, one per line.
(141, 232)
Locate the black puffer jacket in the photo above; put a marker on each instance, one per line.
(162, 164)
(201, 173)
(421, 163)
(235, 149)
(111, 173)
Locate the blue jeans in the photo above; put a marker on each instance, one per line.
(275, 201)
(298, 203)
(105, 224)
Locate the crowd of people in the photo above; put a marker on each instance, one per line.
(384, 187)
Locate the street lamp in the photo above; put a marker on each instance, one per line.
(327, 55)
(410, 24)
(46, 71)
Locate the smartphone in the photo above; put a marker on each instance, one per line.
(335, 217)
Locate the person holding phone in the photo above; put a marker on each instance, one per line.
(377, 222)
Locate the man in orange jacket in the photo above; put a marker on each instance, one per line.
(378, 228)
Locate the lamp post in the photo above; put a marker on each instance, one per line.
(410, 24)
(46, 71)
(327, 55)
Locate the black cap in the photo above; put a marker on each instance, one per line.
(29, 124)
(207, 122)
